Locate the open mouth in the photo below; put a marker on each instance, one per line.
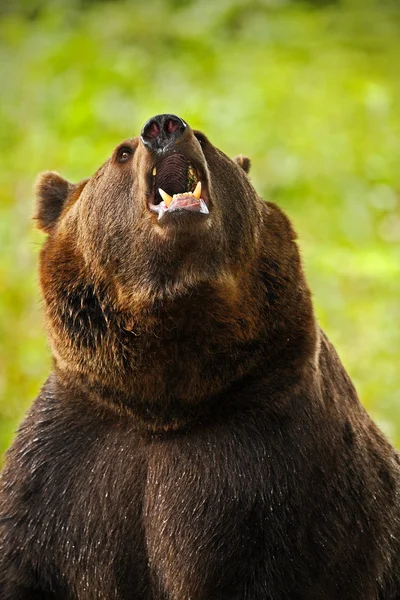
(177, 186)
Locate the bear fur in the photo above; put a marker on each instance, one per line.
(198, 437)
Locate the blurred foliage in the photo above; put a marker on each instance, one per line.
(309, 90)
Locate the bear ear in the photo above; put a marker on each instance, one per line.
(52, 190)
(243, 162)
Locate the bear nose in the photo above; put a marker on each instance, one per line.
(159, 131)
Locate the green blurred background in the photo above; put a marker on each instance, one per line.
(310, 91)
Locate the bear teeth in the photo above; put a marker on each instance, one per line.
(197, 190)
(168, 199)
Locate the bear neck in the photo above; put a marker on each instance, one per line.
(168, 361)
(175, 364)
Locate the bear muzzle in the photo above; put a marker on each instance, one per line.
(178, 178)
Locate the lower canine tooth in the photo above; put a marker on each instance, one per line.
(197, 191)
(166, 197)
(154, 172)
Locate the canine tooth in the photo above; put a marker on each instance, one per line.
(197, 191)
(154, 171)
(166, 197)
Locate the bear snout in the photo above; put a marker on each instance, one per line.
(162, 131)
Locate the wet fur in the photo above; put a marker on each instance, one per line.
(198, 438)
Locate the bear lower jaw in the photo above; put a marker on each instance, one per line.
(183, 201)
(180, 202)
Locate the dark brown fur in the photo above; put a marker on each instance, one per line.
(198, 438)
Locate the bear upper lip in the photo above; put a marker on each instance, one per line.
(177, 184)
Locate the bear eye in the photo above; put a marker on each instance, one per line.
(124, 154)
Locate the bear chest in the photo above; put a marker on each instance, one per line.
(207, 510)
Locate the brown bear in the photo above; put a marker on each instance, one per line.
(198, 438)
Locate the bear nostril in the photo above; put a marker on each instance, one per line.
(153, 130)
(170, 125)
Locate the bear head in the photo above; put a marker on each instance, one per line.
(167, 280)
